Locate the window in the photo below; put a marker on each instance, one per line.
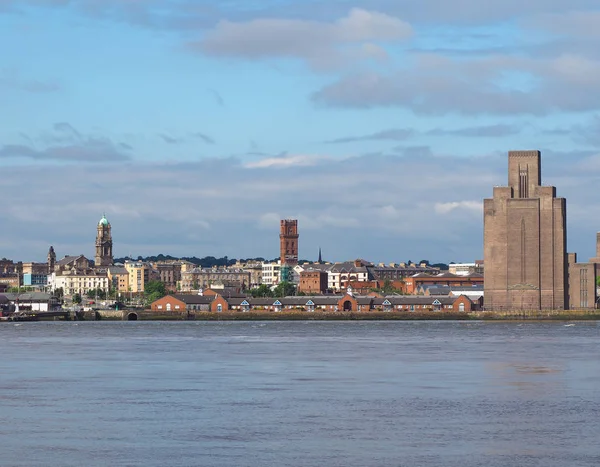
(219, 308)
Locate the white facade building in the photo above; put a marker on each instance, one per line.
(78, 282)
(465, 269)
(271, 273)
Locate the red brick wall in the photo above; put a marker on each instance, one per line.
(162, 305)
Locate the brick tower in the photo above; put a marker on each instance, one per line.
(525, 237)
(288, 242)
(104, 255)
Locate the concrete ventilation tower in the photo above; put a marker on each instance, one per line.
(525, 238)
(288, 247)
(104, 255)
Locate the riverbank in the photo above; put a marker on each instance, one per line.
(147, 315)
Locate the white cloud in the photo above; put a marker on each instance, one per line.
(446, 208)
(495, 84)
(286, 161)
(322, 44)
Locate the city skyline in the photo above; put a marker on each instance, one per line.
(380, 126)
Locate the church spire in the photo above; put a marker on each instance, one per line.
(320, 257)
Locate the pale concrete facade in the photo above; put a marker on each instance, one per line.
(525, 238)
(78, 282)
(139, 275)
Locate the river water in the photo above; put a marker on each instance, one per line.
(299, 394)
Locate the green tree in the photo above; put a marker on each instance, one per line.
(154, 290)
(155, 287)
(98, 294)
(262, 290)
(59, 293)
(284, 289)
(22, 289)
(387, 287)
(76, 298)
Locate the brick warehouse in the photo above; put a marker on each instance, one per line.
(525, 241)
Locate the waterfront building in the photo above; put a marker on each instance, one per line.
(525, 237)
(255, 269)
(313, 281)
(584, 289)
(339, 275)
(104, 244)
(189, 303)
(140, 274)
(79, 282)
(38, 281)
(9, 280)
(419, 281)
(345, 303)
(199, 278)
(69, 263)
(118, 278)
(169, 273)
(398, 272)
(30, 301)
(464, 269)
(270, 274)
(8, 266)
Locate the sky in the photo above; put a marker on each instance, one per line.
(380, 125)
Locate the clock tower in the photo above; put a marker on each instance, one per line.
(104, 255)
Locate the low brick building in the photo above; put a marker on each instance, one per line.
(345, 303)
(182, 303)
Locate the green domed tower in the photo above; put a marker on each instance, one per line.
(104, 255)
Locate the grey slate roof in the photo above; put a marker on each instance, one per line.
(117, 270)
(190, 299)
(29, 297)
(67, 260)
(440, 290)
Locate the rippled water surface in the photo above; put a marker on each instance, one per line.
(299, 394)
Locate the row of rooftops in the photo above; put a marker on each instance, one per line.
(448, 275)
(317, 300)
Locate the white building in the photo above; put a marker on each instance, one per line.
(271, 273)
(339, 274)
(73, 282)
(465, 269)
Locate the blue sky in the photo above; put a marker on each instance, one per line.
(380, 125)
